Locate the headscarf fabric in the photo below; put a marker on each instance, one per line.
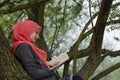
(21, 34)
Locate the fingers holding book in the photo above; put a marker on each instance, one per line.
(52, 64)
(57, 61)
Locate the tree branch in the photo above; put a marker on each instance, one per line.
(20, 7)
(85, 53)
(113, 22)
(107, 71)
(116, 5)
(4, 2)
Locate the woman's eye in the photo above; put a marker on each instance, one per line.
(37, 32)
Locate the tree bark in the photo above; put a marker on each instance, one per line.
(107, 71)
(10, 68)
(38, 16)
(94, 58)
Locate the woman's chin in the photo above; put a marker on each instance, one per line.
(32, 41)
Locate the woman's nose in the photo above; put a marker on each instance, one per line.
(38, 36)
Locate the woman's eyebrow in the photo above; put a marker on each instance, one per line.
(37, 32)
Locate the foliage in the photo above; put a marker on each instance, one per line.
(58, 18)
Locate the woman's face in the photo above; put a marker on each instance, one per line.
(34, 36)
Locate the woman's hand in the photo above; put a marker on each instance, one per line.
(51, 64)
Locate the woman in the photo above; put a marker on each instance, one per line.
(32, 58)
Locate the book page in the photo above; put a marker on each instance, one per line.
(61, 59)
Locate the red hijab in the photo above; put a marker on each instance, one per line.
(21, 34)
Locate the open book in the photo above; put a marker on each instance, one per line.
(61, 58)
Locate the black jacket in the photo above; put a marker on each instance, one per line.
(32, 64)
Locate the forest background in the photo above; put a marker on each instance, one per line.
(87, 29)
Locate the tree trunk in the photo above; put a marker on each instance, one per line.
(37, 15)
(10, 68)
(94, 58)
